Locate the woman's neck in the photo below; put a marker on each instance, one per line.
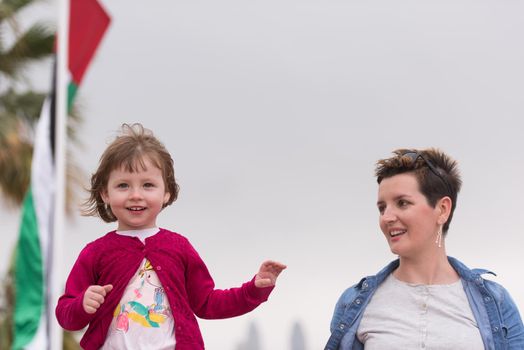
(428, 269)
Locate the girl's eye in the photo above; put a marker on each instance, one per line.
(148, 185)
(122, 185)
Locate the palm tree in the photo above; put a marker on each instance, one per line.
(19, 111)
(17, 117)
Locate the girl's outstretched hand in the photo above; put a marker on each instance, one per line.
(94, 297)
(268, 273)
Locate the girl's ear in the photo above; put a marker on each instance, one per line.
(104, 196)
(167, 195)
(444, 206)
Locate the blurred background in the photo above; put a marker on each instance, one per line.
(275, 113)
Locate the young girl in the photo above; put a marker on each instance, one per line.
(140, 287)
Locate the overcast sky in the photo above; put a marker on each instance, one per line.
(275, 113)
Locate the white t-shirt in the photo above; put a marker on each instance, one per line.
(143, 318)
(403, 316)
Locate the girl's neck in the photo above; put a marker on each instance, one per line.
(426, 269)
(140, 234)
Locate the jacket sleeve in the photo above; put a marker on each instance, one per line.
(512, 321)
(69, 310)
(208, 302)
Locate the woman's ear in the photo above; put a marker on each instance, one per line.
(444, 207)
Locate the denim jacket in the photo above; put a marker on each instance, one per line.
(496, 314)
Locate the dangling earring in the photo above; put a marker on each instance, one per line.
(438, 241)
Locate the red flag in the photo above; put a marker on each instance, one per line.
(87, 24)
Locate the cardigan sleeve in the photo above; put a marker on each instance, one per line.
(208, 302)
(69, 310)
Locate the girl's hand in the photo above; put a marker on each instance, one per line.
(94, 297)
(268, 273)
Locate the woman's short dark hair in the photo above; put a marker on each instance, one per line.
(437, 174)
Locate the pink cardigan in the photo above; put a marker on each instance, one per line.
(114, 259)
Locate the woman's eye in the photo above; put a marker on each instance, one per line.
(402, 203)
(381, 209)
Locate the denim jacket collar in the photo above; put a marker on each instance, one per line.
(497, 315)
(463, 271)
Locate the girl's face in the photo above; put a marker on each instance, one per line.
(136, 198)
(408, 222)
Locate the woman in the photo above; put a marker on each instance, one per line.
(425, 299)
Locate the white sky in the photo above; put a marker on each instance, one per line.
(275, 113)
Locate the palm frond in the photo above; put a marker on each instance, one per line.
(8, 8)
(19, 113)
(34, 44)
(15, 162)
(26, 105)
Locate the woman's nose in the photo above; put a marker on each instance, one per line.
(388, 216)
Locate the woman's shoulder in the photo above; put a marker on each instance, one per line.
(497, 290)
(369, 282)
(348, 295)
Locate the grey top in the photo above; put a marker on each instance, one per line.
(415, 316)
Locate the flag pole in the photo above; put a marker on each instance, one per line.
(62, 79)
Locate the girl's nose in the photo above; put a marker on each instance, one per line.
(135, 193)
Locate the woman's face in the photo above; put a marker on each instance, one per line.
(408, 222)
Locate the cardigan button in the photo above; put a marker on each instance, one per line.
(158, 268)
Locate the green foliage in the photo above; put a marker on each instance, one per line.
(18, 114)
(20, 108)
(34, 44)
(6, 309)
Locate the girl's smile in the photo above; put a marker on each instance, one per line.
(136, 198)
